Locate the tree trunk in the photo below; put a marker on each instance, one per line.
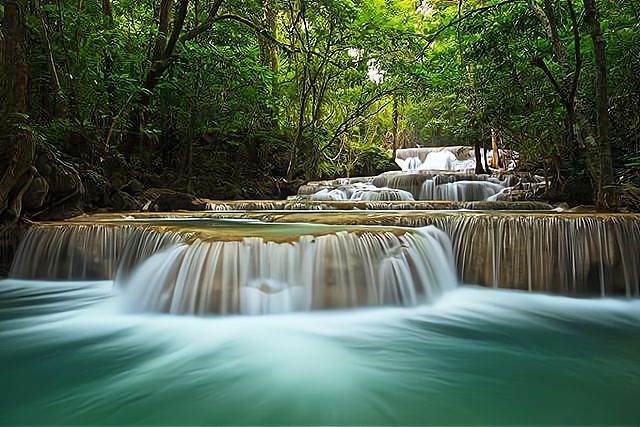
(604, 172)
(108, 63)
(17, 145)
(60, 100)
(268, 54)
(479, 168)
(484, 156)
(495, 158)
(14, 61)
(395, 125)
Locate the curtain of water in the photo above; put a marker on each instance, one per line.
(332, 271)
(567, 254)
(571, 255)
(75, 252)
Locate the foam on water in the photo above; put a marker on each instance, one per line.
(69, 355)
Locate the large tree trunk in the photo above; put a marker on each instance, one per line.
(31, 176)
(17, 145)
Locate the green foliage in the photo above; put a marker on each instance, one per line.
(221, 113)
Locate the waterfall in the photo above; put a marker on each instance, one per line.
(322, 205)
(380, 194)
(572, 254)
(198, 269)
(360, 191)
(254, 276)
(459, 190)
(458, 158)
(142, 243)
(564, 253)
(78, 252)
(257, 205)
(445, 186)
(417, 185)
(85, 252)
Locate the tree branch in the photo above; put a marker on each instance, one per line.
(204, 26)
(342, 128)
(578, 55)
(547, 20)
(462, 18)
(261, 31)
(538, 62)
(178, 23)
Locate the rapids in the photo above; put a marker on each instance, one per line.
(71, 355)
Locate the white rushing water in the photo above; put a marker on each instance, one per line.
(253, 276)
(448, 158)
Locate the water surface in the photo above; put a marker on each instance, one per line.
(71, 356)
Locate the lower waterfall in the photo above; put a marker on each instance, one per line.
(315, 272)
(561, 253)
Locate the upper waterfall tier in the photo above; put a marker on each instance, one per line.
(454, 158)
(419, 185)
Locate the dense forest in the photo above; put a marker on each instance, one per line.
(227, 99)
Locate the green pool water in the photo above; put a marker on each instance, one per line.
(70, 355)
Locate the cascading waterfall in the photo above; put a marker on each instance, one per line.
(455, 158)
(360, 192)
(453, 186)
(300, 205)
(109, 358)
(81, 309)
(179, 270)
(86, 252)
(418, 185)
(564, 253)
(449, 186)
(460, 190)
(572, 254)
(63, 252)
(252, 276)
(379, 194)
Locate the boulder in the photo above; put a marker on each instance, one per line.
(133, 188)
(122, 202)
(36, 195)
(165, 200)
